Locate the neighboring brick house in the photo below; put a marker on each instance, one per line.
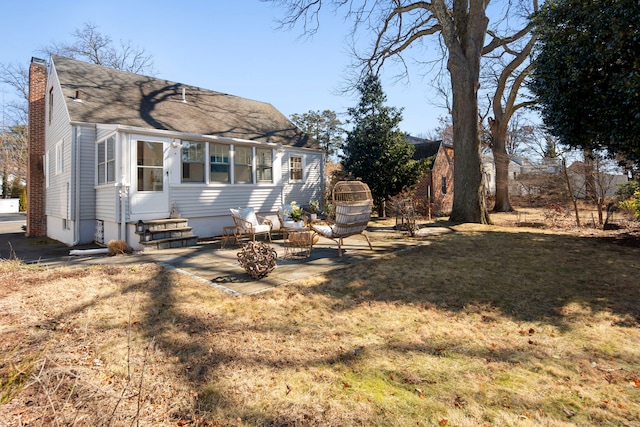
(437, 184)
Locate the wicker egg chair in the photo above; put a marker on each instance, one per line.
(352, 205)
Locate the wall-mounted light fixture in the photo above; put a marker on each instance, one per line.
(176, 143)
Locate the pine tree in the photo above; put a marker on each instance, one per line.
(376, 151)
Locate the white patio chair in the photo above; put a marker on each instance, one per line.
(249, 224)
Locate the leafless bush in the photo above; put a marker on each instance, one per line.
(405, 211)
(118, 247)
(553, 212)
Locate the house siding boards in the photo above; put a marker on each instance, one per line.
(106, 203)
(85, 139)
(303, 191)
(211, 201)
(58, 131)
(58, 154)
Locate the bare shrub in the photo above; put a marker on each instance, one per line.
(553, 212)
(118, 247)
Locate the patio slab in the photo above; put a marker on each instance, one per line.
(218, 267)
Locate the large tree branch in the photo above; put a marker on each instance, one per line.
(506, 113)
(497, 41)
(392, 39)
(512, 107)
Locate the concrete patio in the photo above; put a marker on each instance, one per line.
(218, 267)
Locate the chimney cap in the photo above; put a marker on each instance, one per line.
(35, 60)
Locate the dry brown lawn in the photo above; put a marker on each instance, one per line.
(494, 326)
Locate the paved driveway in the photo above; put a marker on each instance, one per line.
(14, 243)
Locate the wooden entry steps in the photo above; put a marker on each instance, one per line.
(165, 234)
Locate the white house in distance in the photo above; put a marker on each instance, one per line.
(109, 148)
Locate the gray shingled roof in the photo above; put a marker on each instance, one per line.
(118, 97)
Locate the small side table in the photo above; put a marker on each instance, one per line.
(298, 243)
(228, 233)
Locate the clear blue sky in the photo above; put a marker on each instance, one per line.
(227, 46)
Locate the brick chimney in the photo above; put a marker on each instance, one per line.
(36, 220)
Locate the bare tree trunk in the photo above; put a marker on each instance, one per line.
(464, 37)
(590, 191)
(501, 160)
(570, 188)
(468, 195)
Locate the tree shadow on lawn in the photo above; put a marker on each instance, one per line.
(525, 275)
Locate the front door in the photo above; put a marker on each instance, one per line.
(150, 195)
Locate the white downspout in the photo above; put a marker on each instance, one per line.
(75, 167)
(123, 190)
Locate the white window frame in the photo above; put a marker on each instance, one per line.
(213, 154)
(302, 167)
(202, 152)
(258, 168)
(213, 157)
(106, 161)
(236, 150)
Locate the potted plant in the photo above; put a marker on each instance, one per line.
(296, 214)
(313, 208)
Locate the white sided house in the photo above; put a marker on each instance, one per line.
(109, 148)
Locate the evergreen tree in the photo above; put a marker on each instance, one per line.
(324, 126)
(587, 74)
(375, 150)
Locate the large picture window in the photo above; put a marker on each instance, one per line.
(225, 163)
(243, 165)
(106, 161)
(264, 165)
(219, 163)
(192, 161)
